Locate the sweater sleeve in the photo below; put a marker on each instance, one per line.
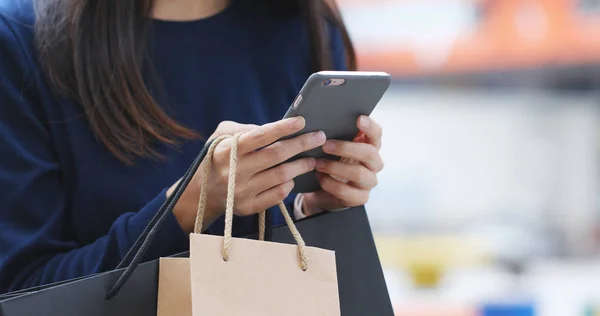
(36, 243)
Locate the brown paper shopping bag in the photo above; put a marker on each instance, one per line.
(237, 276)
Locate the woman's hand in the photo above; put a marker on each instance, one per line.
(337, 193)
(259, 184)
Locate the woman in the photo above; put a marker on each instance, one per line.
(104, 104)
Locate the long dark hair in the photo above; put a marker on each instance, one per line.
(93, 53)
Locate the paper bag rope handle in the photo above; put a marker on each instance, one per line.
(230, 201)
(138, 250)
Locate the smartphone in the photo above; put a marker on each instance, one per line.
(332, 101)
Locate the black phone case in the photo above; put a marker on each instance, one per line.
(334, 110)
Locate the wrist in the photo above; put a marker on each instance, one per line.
(186, 209)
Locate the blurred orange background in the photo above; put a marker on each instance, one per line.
(503, 34)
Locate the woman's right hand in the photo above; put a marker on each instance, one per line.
(258, 185)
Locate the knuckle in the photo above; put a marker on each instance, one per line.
(372, 153)
(228, 127)
(278, 151)
(282, 173)
(223, 125)
(361, 175)
(259, 133)
(281, 127)
(221, 151)
(306, 142)
(223, 175)
(250, 127)
(342, 193)
(308, 165)
(289, 187)
(282, 192)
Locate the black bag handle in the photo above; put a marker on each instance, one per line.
(137, 251)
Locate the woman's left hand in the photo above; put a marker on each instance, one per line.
(360, 164)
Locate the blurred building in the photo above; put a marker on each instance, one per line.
(524, 42)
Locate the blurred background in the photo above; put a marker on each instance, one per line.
(490, 200)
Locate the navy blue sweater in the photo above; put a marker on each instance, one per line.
(68, 208)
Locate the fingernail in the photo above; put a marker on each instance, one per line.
(329, 146)
(297, 122)
(364, 121)
(320, 164)
(319, 137)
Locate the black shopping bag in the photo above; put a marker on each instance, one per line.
(361, 284)
(131, 289)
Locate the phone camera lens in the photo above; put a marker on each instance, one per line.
(326, 82)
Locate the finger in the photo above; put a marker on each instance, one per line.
(269, 133)
(283, 150)
(372, 130)
(231, 128)
(362, 177)
(367, 154)
(273, 196)
(281, 174)
(348, 195)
